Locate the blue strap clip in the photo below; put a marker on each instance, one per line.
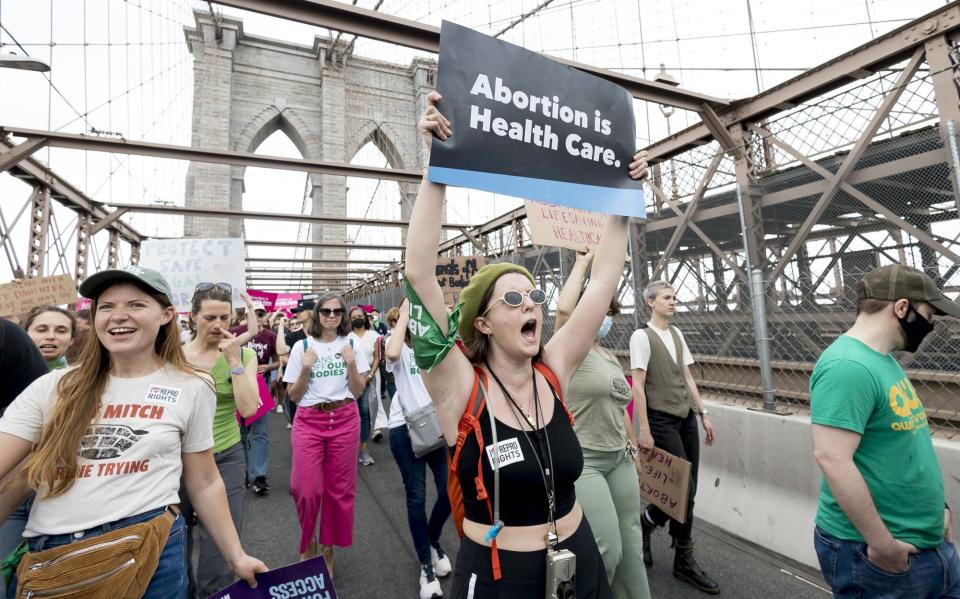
(494, 531)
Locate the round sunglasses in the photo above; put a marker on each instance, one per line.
(514, 299)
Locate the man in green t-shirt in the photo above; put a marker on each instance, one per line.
(882, 526)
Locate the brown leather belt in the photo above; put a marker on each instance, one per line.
(329, 406)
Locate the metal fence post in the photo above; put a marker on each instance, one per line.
(758, 300)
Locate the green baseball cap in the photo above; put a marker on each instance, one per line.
(896, 281)
(94, 284)
(473, 293)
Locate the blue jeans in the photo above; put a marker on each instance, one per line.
(413, 471)
(11, 530)
(170, 578)
(256, 446)
(290, 408)
(932, 573)
(363, 404)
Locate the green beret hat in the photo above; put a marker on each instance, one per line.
(475, 290)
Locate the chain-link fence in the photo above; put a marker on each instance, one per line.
(836, 186)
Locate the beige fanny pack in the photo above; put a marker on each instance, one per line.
(114, 565)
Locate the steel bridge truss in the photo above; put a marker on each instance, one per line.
(779, 201)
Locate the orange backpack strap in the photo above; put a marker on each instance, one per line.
(470, 424)
(554, 385)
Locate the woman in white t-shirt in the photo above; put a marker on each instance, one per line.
(365, 341)
(326, 374)
(411, 396)
(111, 436)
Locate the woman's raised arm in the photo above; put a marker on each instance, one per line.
(568, 346)
(449, 382)
(570, 294)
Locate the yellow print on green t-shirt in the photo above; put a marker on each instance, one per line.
(905, 403)
(328, 366)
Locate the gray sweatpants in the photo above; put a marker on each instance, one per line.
(212, 573)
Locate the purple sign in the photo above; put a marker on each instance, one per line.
(304, 580)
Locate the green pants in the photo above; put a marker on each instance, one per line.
(609, 492)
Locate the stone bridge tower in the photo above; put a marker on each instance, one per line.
(329, 102)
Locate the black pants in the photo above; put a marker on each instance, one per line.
(681, 437)
(524, 572)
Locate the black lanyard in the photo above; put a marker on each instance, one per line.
(545, 473)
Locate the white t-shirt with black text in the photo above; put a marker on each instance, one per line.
(130, 459)
(640, 347)
(410, 389)
(328, 378)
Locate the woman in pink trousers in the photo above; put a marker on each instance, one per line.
(326, 375)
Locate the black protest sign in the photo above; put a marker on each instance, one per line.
(527, 126)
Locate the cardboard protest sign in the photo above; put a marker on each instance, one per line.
(304, 580)
(527, 126)
(559, 226)
(665, 481)
(21, 295)
(186, 262)
(454, 273)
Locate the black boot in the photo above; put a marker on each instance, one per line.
(685, 568)
(647, 530)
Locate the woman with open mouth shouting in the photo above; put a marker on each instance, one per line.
(515, 456)
(106, 443)
(53, 329)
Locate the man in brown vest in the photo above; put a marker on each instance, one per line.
(666, 406)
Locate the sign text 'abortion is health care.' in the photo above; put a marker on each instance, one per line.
(527, 126)
(304, 580)
(186, 262)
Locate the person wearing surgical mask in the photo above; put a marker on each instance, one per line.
(597, 396)
(882, 527)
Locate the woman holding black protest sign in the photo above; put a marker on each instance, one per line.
(107, 442)
(522, 455)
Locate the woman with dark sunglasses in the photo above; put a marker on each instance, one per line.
(512, 519)
(325, 374)
(217, 351)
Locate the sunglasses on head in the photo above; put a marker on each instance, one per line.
(208, 286)
(514, 299)
(328, 312)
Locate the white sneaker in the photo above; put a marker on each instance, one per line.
(441, 563)
(429, 585)
(279, 408)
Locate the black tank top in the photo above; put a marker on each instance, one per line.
(523, 498)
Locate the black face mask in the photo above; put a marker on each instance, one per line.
(915, 328)
(358, 323)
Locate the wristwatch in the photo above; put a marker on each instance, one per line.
(238, 370)
(703, 412)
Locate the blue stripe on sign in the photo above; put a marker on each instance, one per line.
(610, 200)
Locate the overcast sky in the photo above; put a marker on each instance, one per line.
(122, 66)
